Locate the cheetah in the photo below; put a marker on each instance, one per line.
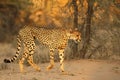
(55, 38)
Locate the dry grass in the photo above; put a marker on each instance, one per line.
(6, 51)
(3, 66)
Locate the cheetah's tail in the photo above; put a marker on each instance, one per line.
(17, 52)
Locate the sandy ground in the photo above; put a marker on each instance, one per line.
(77, 70)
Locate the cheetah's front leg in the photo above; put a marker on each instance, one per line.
(61, 56)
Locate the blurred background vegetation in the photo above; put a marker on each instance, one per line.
(98, 21)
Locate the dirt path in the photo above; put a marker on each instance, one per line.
(78, 70)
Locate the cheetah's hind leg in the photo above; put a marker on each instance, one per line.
(30, 60)
(21, 63)
(31, 49)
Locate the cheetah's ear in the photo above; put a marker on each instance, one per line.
(73, 30)
(76, 29)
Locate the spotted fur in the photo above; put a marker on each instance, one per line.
(55, 38)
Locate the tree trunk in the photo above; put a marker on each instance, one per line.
(75, 7)
(87, 28)
(73, 45)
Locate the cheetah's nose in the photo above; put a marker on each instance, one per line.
(78, 40)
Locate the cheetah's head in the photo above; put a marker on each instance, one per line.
(74, 35)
